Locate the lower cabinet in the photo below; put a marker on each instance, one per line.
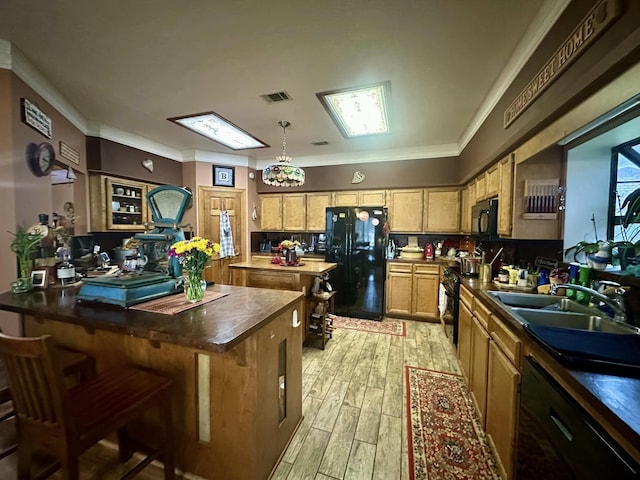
(490, 355)
(412, 290)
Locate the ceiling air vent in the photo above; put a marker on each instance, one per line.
(276, 97)
(320, 143)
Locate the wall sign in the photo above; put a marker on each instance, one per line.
(69, 153)
(599, 18)
(223, 176)
(35, 118)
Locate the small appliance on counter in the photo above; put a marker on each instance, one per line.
(158, 274)
(470, 266)
(321, 247)
(412, 251)
(428, 251)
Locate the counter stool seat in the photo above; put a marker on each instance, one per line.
(65, 423)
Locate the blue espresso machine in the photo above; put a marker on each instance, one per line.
(160, 275)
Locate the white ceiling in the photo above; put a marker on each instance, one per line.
(121, 68)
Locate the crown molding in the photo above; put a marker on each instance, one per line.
(5, 55)
(545, 19)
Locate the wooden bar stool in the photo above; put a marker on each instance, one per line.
(64, 422)
(74, 363)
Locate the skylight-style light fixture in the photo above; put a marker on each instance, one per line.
(219, 129)
(282, 173)
(359, 111)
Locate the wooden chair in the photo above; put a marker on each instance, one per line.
(74, 363)
(64, 422)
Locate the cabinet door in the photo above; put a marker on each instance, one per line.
(492, 181)
(465, 211)
(505, 196)
(464, 339)
(345, 199)
(426, 283)
(442, 210)
(502, 407)
(398, 289)
(405, 211)
(294, 212)
(372, 198)
(271, 212)
(481, 187)
(478, 366)
(317, 204)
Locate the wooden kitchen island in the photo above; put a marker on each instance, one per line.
(235, 363)
(262, 273)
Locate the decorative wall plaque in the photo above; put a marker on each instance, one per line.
(69, 153)
(35, 118)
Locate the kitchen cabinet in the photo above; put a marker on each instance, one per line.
(490, 357)
(405, 210)
(317, 204)
(294, 212)
(481, 187)
(505, 196)
(441, 210)
(465, 211)
(492, 181)
(412, 290)
(360, 198)
(118, 204)
(271, 212)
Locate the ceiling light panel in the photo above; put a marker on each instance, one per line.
(219, 129)
(359, 111)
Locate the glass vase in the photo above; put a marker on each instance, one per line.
(193, 287)
(22, 285)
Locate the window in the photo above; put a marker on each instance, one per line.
(625, 179)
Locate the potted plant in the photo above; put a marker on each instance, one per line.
(23, 245)
(630, 231)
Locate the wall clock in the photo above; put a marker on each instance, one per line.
(41, 158)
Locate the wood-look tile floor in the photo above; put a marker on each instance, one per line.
(354, 408)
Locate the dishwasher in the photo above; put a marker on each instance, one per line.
(557, 439)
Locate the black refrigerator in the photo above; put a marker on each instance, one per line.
(357, 240)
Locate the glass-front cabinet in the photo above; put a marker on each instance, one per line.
(118, 204)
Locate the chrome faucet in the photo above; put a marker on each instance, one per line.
(615, 300)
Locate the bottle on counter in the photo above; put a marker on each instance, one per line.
(574, 270)
(66, 271)
(584, 279)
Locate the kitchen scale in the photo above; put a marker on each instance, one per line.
(159, 276)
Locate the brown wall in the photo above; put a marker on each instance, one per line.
(113, 158)
(430, 172)
(615, 51)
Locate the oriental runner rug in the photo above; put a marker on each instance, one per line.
(446, 440)
(388, 327)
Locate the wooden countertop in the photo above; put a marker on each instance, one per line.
(307, 268)
(447, 261)
(611, 398)
(215, 326)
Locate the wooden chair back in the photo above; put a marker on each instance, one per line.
(37, 388)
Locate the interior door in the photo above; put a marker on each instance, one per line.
(212, 202)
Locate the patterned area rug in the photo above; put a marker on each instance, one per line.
(446, 440)
(389, 327)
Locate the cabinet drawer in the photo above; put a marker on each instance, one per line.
(482, 313)
(277, 281)
(400, 267)
(466, 297)
(509, 343)
(426, 269)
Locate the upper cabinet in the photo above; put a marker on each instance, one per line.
(406, 210)
(442, 210)
(492, 182)
(360, 198)
(271, 212)
(465, 211)
(294, 212)
(481, 187)
(505, 196)
(317, 204)
(118, 204)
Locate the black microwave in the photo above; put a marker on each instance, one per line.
(484, 220)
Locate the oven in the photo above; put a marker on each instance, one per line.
(448, 303)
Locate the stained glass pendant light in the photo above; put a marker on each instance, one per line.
(282, 173)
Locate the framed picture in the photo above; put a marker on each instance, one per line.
(39, 278)
(223, 176)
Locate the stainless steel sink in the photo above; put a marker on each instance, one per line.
(557, 311)
(526, 300)
(577, 320)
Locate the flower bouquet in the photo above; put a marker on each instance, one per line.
(288, 245)
(289, 249)
(193, 255)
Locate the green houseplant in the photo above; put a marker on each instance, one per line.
(23, 245)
